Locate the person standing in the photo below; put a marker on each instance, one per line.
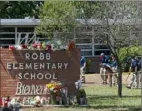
(134, 68)
(82, 65)
(82, 68)
(104, 61)
(114, 70)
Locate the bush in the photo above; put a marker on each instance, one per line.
(126, 53)
(88, 63)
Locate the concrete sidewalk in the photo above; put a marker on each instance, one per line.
(96, 78)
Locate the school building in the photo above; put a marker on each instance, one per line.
(88, 38)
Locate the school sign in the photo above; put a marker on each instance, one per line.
(26, 72)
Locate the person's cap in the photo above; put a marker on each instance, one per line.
(82, 57)
(102, 53)
(136, 57)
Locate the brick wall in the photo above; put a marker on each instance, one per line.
(7, 83)
(8, 79)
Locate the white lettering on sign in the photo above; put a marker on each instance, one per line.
(38, 66)
(38, 76)
(26, 76)
(20, 76)
(35, 65)
(37, 56)
(28, 66)
(23, 89)
(34, 56)
(21, 65)
(41, 56)
(53, 66)
(38, 70)
(8, 66)
(14, 66)
(27, 56)
(66, 65)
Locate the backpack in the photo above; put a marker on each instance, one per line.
(134, 63)
(107, 59)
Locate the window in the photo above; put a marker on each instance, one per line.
(86, 53)
(84, 29)
(100, 47)
(92, 46)
(7, 42)
(84, 46)
(7, 36)
(25, 29)
(98, 52)
(7, 29)
(86, 49)
(84, 40)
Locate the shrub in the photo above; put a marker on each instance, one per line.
(126, 53)
(88, 63)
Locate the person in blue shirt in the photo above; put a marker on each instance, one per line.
(134, 68)
(134, 64)
(82, 64)
(113, 64)
(82, 67)
(104, 58)
(104, 63)
(114, 73)
(108, 69)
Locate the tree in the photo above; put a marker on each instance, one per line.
(63, 19)
(20, 9)
(56, 15)
(117, 18)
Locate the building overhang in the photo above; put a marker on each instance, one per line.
(19, 22)
(36, 22)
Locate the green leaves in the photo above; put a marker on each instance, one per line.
(129, 51)
(19, 9)
(57, 16)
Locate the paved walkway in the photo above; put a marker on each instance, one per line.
(96, 78)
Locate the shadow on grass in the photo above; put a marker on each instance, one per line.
(108, 96)
(113, 102)
(111, 108)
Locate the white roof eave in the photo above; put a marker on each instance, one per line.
(35, 22)
(17, 22)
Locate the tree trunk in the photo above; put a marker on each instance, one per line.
(119, 80)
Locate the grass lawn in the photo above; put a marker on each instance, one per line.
(104, 98)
